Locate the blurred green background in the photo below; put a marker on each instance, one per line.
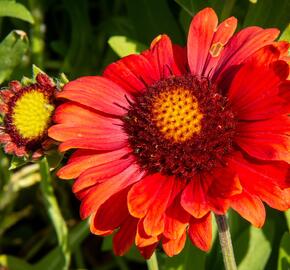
(81, 37)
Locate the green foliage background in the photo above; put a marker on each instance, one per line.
(39, 221)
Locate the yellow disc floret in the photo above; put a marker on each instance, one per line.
(176, 114)
(31, 114)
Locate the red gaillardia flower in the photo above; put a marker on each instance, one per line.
(166, 137)
(26, 112)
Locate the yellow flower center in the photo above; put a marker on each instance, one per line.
(176, 114)
(31, 114)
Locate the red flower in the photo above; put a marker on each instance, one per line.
(165, 137)
(26, 112)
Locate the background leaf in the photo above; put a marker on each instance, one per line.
(15, 10)
(12, 49)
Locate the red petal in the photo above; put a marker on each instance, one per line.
(154, 219)
(194, 199)
(124, 238)
(98, 93)
(200, 232)
(161, 56)
(200, 36)
(98, 194)
(82, 160)
(133, 73)
(249, 207)
(266, 140)
(221, 37)
(142, 195)
(240, 47)
(100, 142)
(111, 214)
(265, 180)
(101, 173)
(147, 251)
(75, 114)
(174, 247)
(180, 56)
(142, 238)
(257, 97)
(225, 184)
(176, 218)
(63, 132)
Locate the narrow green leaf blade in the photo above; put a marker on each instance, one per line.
(54, 212)
(54, 259)
(15, 10)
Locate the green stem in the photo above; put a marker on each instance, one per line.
(152, 263)
(54, 211)
(226, 242)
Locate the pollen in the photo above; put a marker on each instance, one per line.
(177, 115)
(31, 114)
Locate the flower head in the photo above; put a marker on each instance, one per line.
(27, 112)
(166, 137)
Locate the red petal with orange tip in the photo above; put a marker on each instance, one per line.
(161, 55)
(174, 246)
(200, 36)
(101, 173)
(194, 198)
(241, 46)
(142, 238)
(82, 160)
(133, 73)
(221, 37)
(147, 251)
(100, 142)
(75, 114)
(111, 214)
(200, 232)
(99, 193)
(124, 238)
(250, 208)
(176, 218)
(98, 93)
(258, 97)
(269, 180)
(142, 194)
(154, 219)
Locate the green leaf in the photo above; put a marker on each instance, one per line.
(15, 10)
(14, 263)
(12, 49)
(253, 248)
(124, 46)
(54, 259)
(284, 253)
(268, 13)
(286, 34)
(151, 18)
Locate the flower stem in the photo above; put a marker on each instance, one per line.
(152, 263)
(226, 242)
